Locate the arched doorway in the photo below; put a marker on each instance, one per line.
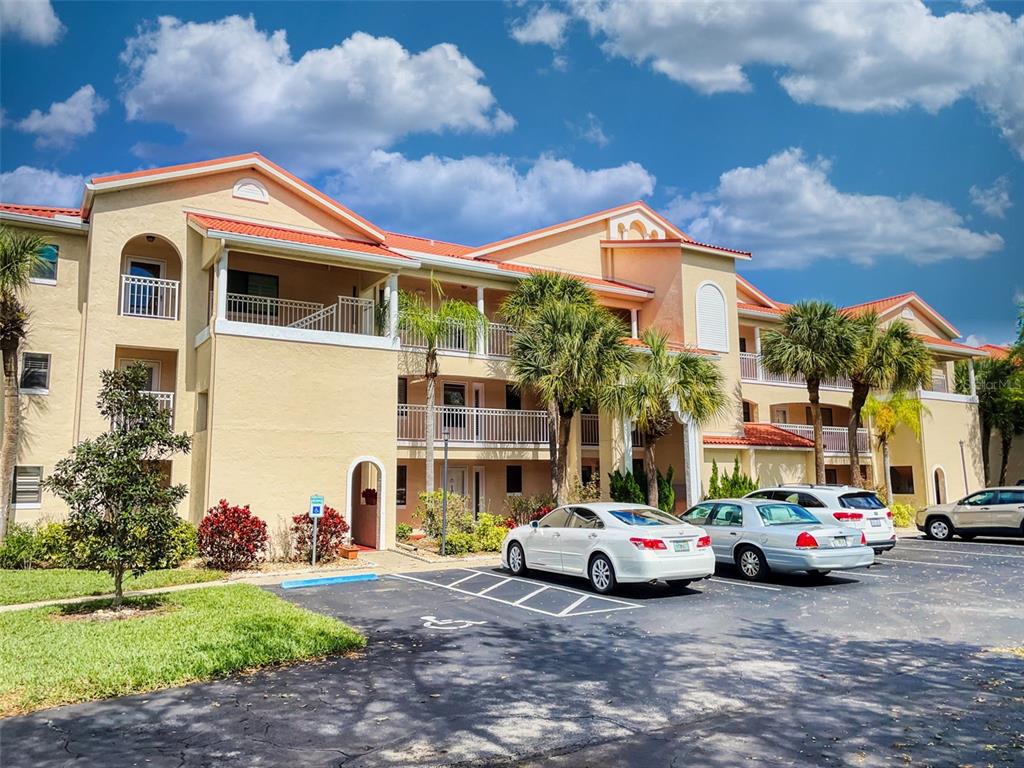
(939, 475)
(367, 502)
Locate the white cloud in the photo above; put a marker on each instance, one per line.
(994, 200)
(32, 20)
(974, 340)
(38, 186)
(229, 86)
(543, 26)
(590, 129)
(856, 57)
(790, 214)
(477, 199)
(65, 121)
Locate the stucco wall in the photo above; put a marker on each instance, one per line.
(1015, 464)
(943, 427)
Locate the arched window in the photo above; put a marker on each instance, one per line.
(712, 320)
(250, 189)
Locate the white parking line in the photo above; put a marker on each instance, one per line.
(864, 573)
(922, 562)
(572, 605)
(743, 584)
(962, 552)
(562, 589)
(527, 597)
(916, 541)
(464, 578)
(501, 583)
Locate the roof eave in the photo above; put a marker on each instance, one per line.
(44, 222)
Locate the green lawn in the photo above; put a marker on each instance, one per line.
(51, 656)
(27, 586)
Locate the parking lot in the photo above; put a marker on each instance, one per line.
(889, 666)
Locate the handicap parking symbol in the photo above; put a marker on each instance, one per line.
(432, 622)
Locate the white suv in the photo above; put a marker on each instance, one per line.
(845, 504)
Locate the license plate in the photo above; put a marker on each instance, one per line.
(840, 542)
(681, 546)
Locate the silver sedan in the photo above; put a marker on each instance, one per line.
(759, 536)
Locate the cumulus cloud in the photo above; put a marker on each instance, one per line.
(38, 186)
(228, 86)
(477, 199)
(590, 129)
(856, 57)
(65, 121)
(994, 200)
(32, 20)
(790, 214)
(542, 26)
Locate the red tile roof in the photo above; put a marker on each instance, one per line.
(425, 245)
(759, 308)
(996, 351)
(250, 229)
(40, 211)
(947, 343)
(761, 435)
(878, 305)
(674, 346)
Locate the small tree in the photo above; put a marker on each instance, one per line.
(888, 416)
(122, 509)
(623, 487)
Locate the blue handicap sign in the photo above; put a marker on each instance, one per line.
(316, 506)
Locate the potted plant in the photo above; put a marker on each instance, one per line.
(370, 497)
(348, 551)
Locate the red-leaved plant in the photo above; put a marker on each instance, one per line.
(331, 532)
(231, 538)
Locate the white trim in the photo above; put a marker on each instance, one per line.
(477, 468)
(381, 497)
(21, 372)
(948, 397)
(745, 285)
(262, 194)
(931, 485)
(202, 337)
(283, 333)
(42, 281)
(757, 314)
(44, 221)
(127, 265)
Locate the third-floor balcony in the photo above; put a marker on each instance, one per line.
(752, 370)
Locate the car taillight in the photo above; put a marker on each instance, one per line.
(647, 543)
(863, 539)
(806, 541)
(846, 517)
(703, 541)
(888, 513)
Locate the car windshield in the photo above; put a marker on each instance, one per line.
(862, 500)
(644, 516)
(785, 514)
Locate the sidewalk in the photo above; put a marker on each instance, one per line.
(380, 562)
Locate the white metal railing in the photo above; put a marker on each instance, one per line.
(589, 429)
(348, 315)
(164, 399)
(149, 297)
(497, 340)
(356, 316)
(751, 369)
(452, 340)
(638, 438)
(474, 425)
(834, 439)
(938, 382)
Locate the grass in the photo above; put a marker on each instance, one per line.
(60, 654)
(28, 586)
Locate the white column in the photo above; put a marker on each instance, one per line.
(391, 295)
(222, 285)
(970, 375)
(757, 340)
(627, 445)
(694, 457)
(481, 339)
(633, 324)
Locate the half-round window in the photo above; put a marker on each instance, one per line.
(712, 321)
(250, 189)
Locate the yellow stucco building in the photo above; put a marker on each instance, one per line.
(268, 315)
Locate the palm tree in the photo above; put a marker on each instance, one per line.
(884, 359)
(520, 306)
(430, 323)
(658, 381)
(568, 353)
(20, 253)
(993, 382)
(889, 415)
(815, 341)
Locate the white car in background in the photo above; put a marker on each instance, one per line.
(610, 543)
(844, 505)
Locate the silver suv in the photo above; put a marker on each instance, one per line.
(992, 512)
(844, 505)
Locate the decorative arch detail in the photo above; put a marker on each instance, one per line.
(939, 484)
(251, 189)
(712, 318)
(381, 496)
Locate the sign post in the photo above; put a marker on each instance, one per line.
(316, 511)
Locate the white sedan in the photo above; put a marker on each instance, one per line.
(608, 543)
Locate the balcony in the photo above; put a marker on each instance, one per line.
(165, 401)
(346, 315)
(836, 439)
(753, 371)
(149, 297)
(496, 341)
(590, 432)
(479, 426)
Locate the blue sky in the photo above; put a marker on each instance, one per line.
(858, 151)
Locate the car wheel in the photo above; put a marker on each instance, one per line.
(602, 574)
(938, 528)
(752, 564)
(679, 583)
(516, 559)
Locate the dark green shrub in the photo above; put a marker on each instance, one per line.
(666, 493)
(53, 547)
(459, 543)
(403, 531)
(184, 545)
(728, 486)
(19, 548)
(623, 486)
(429, 513)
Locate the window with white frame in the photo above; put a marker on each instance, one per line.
(35, 373)
(28, 486)
(712, 320)
(44, 268)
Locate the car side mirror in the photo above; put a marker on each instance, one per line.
(534, 524)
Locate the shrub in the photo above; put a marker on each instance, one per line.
(623, 487)
(231, 538)
(403, 531)
(523, 509)
(429, 513)
(729, 486)
(331, 533)
(581, 493)
(490, 532)
(459, 543)
(53, 546)
(666, 493)
(19, 547)
(903, 515)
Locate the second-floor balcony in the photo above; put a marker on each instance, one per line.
(346, 315)
(149, 297)
(836, 440)
(487, 426)
(590, 432)
(495, 341)
(752, 370)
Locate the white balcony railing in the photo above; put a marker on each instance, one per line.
(149, 297)
(835, 439)
(474, 425)
(347, 315)
(752, 370)
(164, 399)
(497, 340)
(589, 429)
(938, 382)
